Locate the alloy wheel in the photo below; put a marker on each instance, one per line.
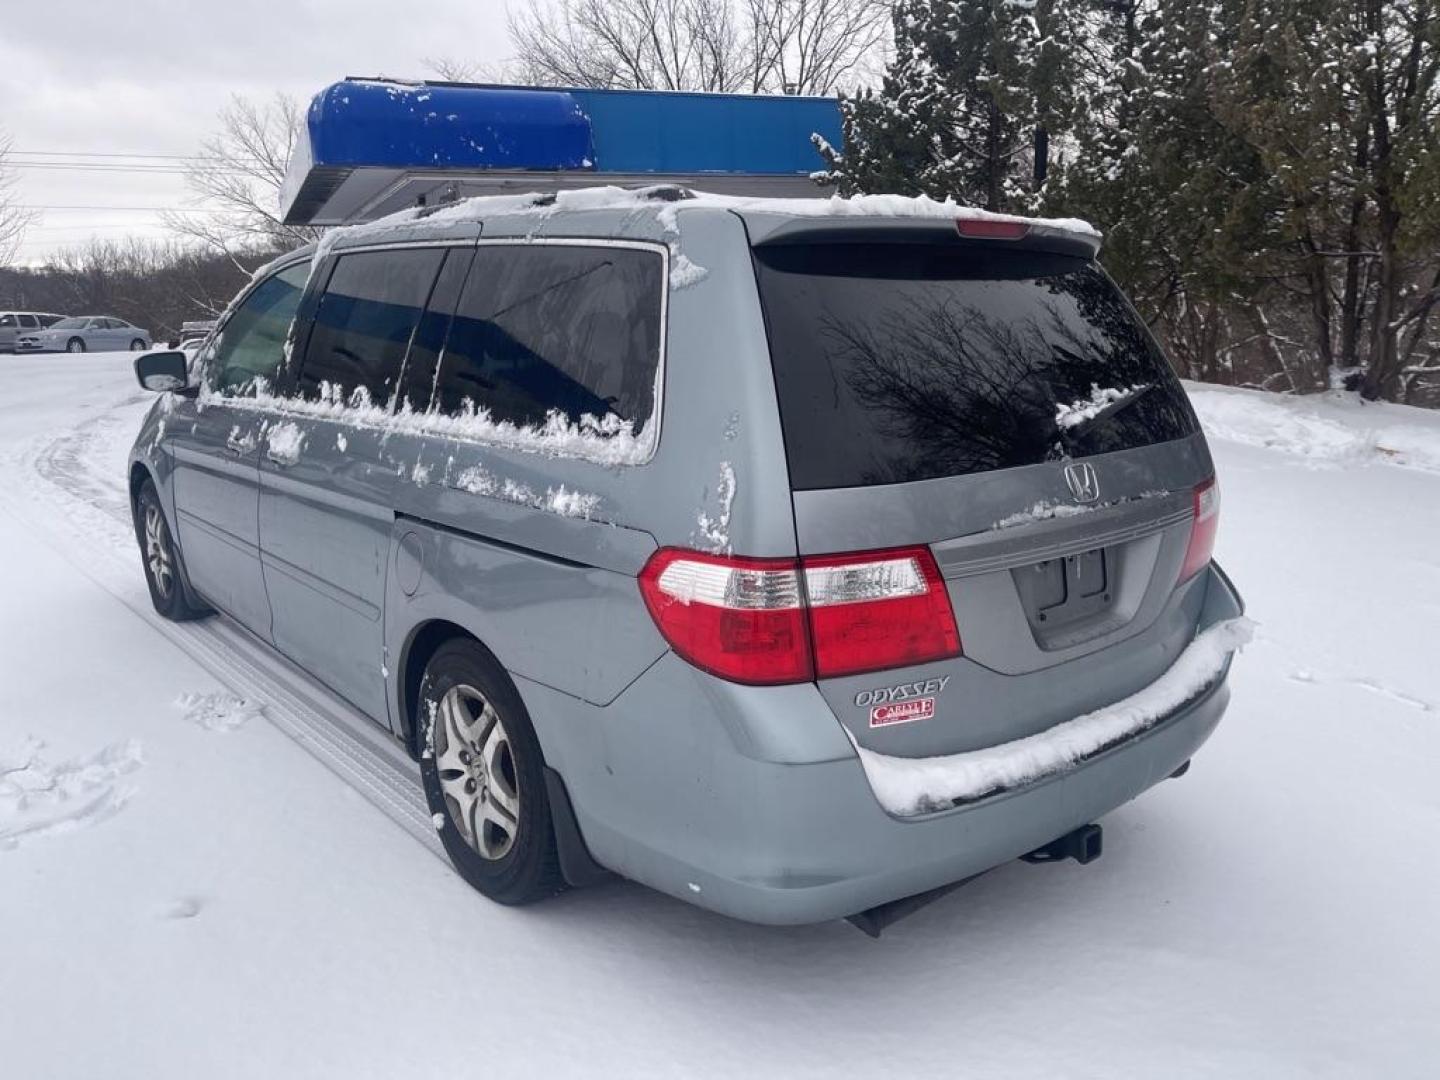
(477, 771)
(157, 551)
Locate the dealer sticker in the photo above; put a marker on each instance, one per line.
(902, 712)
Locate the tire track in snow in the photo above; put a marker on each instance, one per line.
(93, 532)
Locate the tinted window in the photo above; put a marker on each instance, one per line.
(554, 328)
(252, 343)
(27, 322)
(906, 362)
(417, 381)
(364, 322)
(7, 320)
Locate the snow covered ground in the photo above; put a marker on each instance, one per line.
(208, 868)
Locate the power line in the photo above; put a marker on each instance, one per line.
(148, 170)
(103, 154)
(127, 209)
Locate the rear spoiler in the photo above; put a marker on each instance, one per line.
(771, 227)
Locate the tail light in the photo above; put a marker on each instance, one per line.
(991, 229)
(783, 621)
(1202, 529)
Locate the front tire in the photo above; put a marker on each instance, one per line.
(163, 573)
(75, 344)
(484, 776)
(138, 345)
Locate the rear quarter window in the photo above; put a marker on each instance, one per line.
(904, 362)
(542, 328)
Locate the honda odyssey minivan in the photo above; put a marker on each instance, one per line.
(792, 557)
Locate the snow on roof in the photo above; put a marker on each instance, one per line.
(667, 202)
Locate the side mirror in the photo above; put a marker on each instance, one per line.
(162, 371)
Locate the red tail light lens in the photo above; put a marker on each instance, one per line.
(878, 609)
(1202, 530)
(741, 619)
(750, 620)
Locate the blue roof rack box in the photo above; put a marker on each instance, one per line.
(373, 146)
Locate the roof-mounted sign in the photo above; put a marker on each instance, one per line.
(373, 146)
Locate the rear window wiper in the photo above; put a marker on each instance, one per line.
(1073, 427)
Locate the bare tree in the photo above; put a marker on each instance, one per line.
(452, 69)
(816, 46)
(745, 46)
(237, 176)
(157, 284)
(14, 219)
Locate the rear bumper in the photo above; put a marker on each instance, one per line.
(661, 800)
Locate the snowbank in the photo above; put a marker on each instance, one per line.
(908, 786)
(1334, 428)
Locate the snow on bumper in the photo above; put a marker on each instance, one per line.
(910, 786)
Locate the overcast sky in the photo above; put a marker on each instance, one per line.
(149, 76)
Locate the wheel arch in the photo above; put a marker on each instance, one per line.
(139, 473)
(420, 645)
(577, 865)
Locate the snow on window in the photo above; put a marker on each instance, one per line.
(909, 786)
(1101, 398)
(607, 441)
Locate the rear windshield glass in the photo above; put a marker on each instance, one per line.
(906, 362)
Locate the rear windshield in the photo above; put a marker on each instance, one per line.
(901, 362)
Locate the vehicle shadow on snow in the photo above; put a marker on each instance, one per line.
(1010, 910)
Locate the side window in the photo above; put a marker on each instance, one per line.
(27, 322)
(364, 322)
(251, 345)
(542, 328)
(7, 320)
(417, 383)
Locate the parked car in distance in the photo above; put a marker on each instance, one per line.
(85, 333)
(192, 334)
(14, 324)
(795, 559)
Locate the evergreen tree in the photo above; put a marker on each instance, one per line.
(957, 112)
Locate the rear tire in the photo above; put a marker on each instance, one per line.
(75, 344)
(484, 776)
(161, 559)
(138, 345)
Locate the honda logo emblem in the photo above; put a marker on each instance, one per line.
(1082, 481)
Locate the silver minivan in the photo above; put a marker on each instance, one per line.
(799, 559)
(15, 323)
